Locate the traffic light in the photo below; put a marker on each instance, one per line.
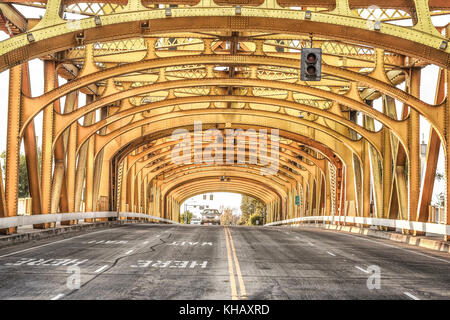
(311, 64)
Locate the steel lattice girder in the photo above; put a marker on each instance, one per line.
(53, 34)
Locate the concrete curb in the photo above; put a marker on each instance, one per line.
(437, 245)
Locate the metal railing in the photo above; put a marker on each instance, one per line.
(18, 221)
(436, 214)
(441, 229)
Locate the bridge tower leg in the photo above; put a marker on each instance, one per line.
(13, 144)
(414, 147)
(31, 155)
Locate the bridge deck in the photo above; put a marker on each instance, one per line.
(143, 261)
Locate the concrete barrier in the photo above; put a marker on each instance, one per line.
(18, 221)
(437, 228)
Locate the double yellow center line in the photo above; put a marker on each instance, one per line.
(231, 251)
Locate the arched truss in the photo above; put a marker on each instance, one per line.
(147, 74)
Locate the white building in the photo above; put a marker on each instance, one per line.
(197, 204)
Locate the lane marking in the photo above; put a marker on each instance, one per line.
(129, 251)
(145, 242)
(363, 270)
(238, 268)
(59, 296)
(48, 244)
(310, 243)
(234, 295)
(411, 296)
(101, 269)
(330, 253)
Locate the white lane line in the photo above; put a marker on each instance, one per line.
(145, 242)
(129, 251)
(331, 254)
(363, 270)
(48, 244)
(59, 296)
(411, 296)
(309, 242)
(101, 269)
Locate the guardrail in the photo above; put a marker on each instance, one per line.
(436, 228)
(145, 216)
(18, 221)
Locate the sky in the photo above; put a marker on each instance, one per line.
(427, 91)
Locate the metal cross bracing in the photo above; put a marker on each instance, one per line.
(148, 68)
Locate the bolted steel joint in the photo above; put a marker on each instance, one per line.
(145, 25)
(377, 25)
(98, 21)
(308, 15)
(30, 37)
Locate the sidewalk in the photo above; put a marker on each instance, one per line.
(430, 241)
(27, 233)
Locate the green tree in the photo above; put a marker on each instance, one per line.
(228, 218)
(255, 220)
(24, 190)
(186, 217)
(250, 206)
(439, 199)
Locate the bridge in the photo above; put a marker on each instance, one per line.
(148, 103)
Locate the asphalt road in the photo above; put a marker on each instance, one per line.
(143, 261)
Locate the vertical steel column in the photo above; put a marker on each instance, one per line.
(31, 155)
(2, 196)
(59, 187)
(71, 156)
(139, 191)
(47, 140)
(81, 167)
(434, 144)
(447, 160)
(376, 172)
(71, 166)
(328, 193)
(89, 192)
(131, 188)
(124, 186)
(13, 144)
(387, 172)
(414, 147)
(145, 189)
(366, 181)
(318, 191)
(98, 167)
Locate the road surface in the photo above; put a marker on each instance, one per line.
(145, 261)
